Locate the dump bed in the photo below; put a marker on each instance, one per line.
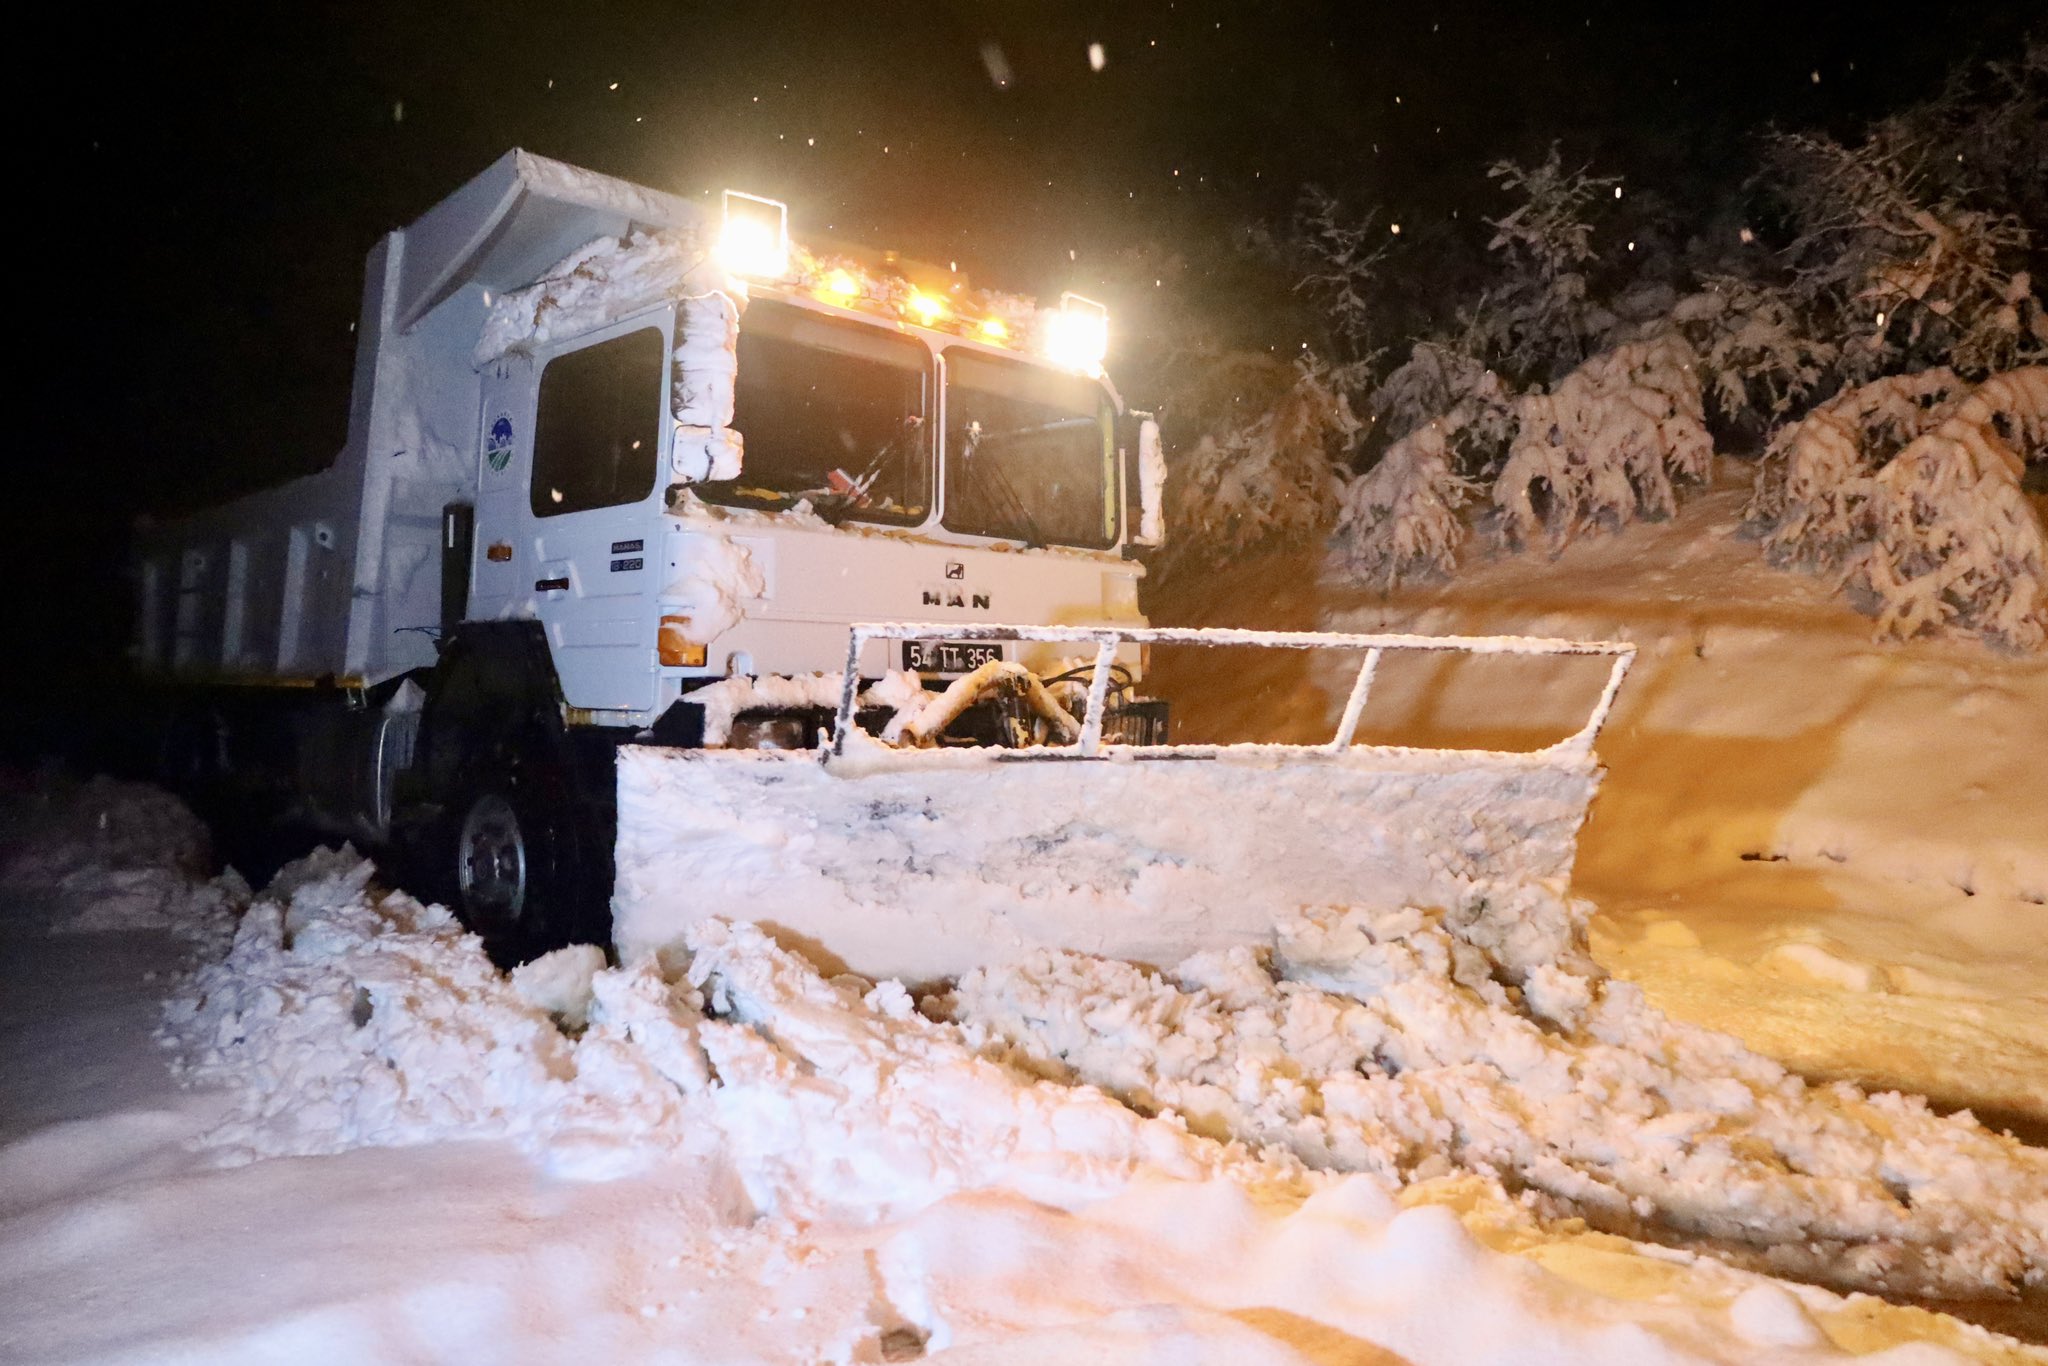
(337, 575)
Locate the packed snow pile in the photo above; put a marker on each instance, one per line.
(344, 1015)
(839, 1100)
(1384, 1042)
(120, 856)
(763, 1163)
(1381, 1043)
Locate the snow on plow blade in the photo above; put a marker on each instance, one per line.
(919, 864)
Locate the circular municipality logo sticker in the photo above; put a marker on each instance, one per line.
(498, 443)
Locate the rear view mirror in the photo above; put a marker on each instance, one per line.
(704, 446)
(1151, 485)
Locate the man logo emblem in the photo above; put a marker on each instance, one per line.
(955, 570)
(498, 444)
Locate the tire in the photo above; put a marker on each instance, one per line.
(514, 862)
(192, 755)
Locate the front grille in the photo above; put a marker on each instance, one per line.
(1135, 723)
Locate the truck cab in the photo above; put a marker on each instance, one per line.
(607, 449)
(890, 471)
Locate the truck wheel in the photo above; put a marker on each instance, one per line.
(512, 860)
(490, 861)
(192, 755)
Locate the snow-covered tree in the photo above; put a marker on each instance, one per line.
(1271, 479)
(1575, 386)
(1816, 484)
(1908, 250)
(1911, 259)
(1757, 359)
(1400, 521)
(1438, 377)
(1449, 409)
(1540, 319)
(1911, 487)
(1606, 444)
(1958, 544)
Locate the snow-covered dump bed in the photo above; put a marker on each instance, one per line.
(338, 573)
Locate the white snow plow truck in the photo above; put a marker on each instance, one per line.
(671, 570)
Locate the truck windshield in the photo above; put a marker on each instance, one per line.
(1030, 453)
(833, 412)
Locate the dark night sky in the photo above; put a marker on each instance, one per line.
(222, 176)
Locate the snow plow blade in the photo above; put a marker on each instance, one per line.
(919, 864)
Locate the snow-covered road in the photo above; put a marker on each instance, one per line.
(751, 1163)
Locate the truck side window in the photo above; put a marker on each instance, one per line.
(833, 412)
(597, 437)
(1030, 453)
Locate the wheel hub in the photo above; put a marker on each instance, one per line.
(491, 859)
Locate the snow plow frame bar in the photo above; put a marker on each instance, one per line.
(1106, 639)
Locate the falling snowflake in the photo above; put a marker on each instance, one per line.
(997, 64)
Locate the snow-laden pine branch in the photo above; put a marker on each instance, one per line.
(1271, 481)
(1911, 487)
(1606, 444)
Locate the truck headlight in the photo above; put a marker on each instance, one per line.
(753, 240)
(1077, 334)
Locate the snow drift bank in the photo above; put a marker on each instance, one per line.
(118, 856)
(1386, 1043)
(1377, 1042)
(346, 1016)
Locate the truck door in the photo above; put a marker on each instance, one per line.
(504, 467)
(567, 521)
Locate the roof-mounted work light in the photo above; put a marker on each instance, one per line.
(1077, 334)
(753, 240)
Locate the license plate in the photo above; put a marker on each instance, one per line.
(948, 656)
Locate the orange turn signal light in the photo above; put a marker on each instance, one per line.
(678, 652)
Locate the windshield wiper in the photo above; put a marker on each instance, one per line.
(856, 495)
(995, 481)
